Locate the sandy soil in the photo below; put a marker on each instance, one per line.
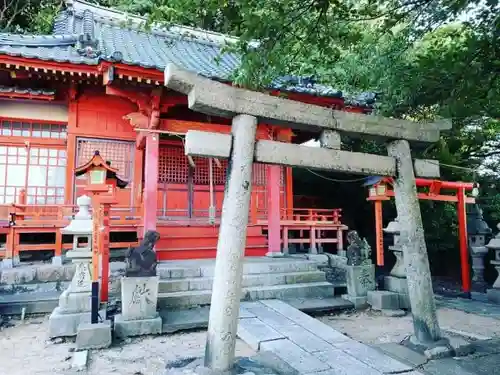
(372, 328)
(25, 350)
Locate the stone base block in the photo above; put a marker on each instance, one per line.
(493, 295)
(358, 302)
(75, 302)
(63, 324)
(383, 300)
(274, 254)
(360, 279)
(93, 336)
(404, 301)
(396, 284)
(7, 263)
(57, 260)
(393, 313)
(127, 328)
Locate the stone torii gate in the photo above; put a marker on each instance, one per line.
(247, 108)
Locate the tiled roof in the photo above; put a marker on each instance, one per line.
(88, 34)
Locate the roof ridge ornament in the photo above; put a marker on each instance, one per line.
(88, 45)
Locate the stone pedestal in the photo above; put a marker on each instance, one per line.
(360, 280)
(93, 336)
(396, 281)
(139, 302)
(75, 302)
(477, 230)
(477, 254)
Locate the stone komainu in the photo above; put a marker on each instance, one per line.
(358, 251)
(141, 260)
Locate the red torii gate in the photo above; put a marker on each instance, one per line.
(382, 191)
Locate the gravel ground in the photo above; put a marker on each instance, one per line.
(25, 350)
(371, 327)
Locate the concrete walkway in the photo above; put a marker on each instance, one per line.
(308, 345)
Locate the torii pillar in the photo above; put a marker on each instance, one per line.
(218, 99)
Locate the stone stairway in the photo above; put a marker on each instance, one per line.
(189, 283)
(183, 284)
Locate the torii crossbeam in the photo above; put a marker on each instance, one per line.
(247, 108)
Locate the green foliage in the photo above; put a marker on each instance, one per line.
(28, 16)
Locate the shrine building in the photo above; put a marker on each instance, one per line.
(96, 84)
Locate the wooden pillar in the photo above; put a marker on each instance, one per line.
(289, 193)
(379, 234)
(462, 236)
(273, 210)
(151, 182)
(104, 250)
(423, 306)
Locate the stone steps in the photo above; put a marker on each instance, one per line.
(205, 283)
(34, 303)
(203, 297)
(206, 267)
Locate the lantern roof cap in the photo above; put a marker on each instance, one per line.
(97, 161)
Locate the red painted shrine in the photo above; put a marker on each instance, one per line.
(95, 86)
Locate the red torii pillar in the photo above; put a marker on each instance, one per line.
(380, 192)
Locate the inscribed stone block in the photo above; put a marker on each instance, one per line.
(253, 331)
(360, 280)
(82, 280)
(137, 327)
(297, 357)
(94, 336)
(383, 300)
(139, 297)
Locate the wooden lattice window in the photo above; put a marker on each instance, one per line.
(32, 128)
(260, 174)
(201, 175)
(41, 172)
(119, 153)
(173, 165)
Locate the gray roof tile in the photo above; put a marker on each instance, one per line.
(195, 50)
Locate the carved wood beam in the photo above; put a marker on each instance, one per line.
(215, 98)
(216, 145)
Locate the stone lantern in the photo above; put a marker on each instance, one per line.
(494, 293)
(396, 281)
(75, 302)
(477, 231)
